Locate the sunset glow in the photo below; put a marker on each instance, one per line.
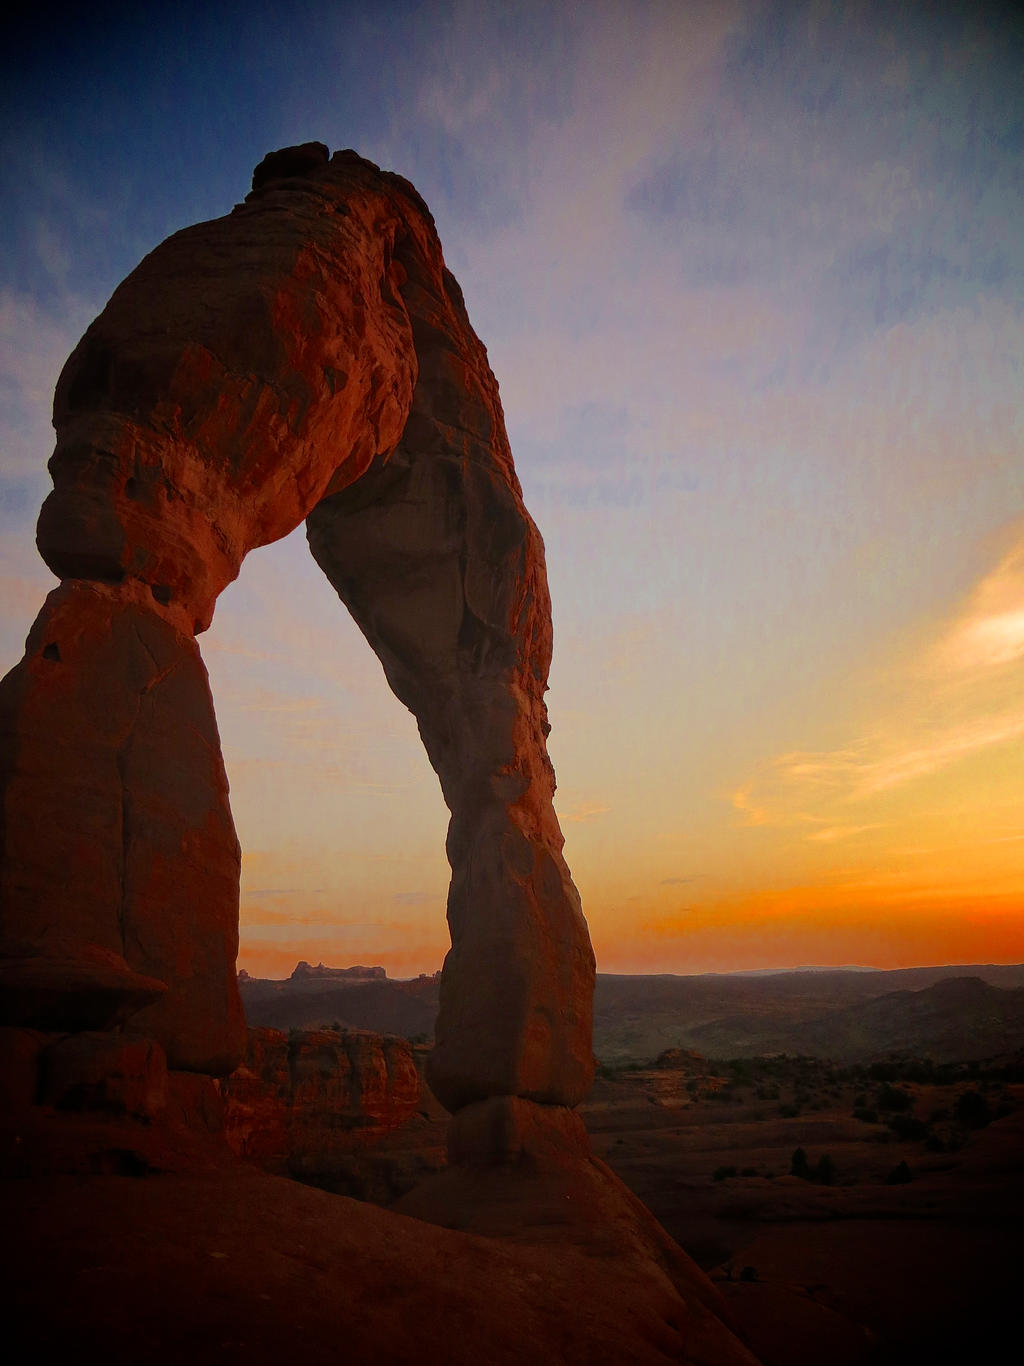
(751, 278)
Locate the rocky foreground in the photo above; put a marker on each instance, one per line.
(854, 1215)
(142, 1235)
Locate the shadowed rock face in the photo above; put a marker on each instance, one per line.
(301, 1102)
(307, 356)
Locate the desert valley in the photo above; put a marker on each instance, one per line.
(843, 1151)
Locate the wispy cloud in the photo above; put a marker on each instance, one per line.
(989, 633)
(583, 811)
(832, 833)
(959, 695)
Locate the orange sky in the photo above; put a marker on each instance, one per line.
(749, 276)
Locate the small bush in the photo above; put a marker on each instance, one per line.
(908, 1128)
(893, 1098)
(826, 1173)
(723, 1173)
(789, 1111)
(866, 1116)
(899, 1176)
(973, 1110)
(799, 1165)
(749, 1273)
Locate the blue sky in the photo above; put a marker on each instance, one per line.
(750, 277)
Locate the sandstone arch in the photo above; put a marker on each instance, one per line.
(307, 356)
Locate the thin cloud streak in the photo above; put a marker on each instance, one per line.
(954, 700)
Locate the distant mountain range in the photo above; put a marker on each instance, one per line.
(952, 1013)
(307, 1000)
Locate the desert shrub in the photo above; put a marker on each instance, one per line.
(893, 1098)
(799, 1165)
(859, 1101)
(907, 1127)
(723, 1173)
(789, 1111)
(899, 1176)
(866, 1116)
(973, 1110)
(749, 1273)
(826, 1172)
(935, 1144)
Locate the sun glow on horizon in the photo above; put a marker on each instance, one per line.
(749, 275)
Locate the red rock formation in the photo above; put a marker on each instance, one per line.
(244, 376)
(301, 1101)
(305, 972)
(439, 562)
(307, 356)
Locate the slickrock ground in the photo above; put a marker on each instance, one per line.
(245, 1268)
(136, 1233)
(165, 1248)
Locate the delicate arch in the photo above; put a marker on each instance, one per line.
(308, 356)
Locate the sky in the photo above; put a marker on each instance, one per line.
(751, 278)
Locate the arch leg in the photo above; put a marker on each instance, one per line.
(440, 564)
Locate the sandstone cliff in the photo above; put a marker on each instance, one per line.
(311, 1104)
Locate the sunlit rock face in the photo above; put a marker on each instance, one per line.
(300, 1101)
(117, 830)
(307, 356)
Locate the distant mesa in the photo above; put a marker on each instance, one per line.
(304, 971)
(683, 1059)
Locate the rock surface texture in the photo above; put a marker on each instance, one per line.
(300, 1101)
(307, 356)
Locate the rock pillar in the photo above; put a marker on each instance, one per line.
(247, 365)
(437, 559)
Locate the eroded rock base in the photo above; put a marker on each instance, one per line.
(523, 1175)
